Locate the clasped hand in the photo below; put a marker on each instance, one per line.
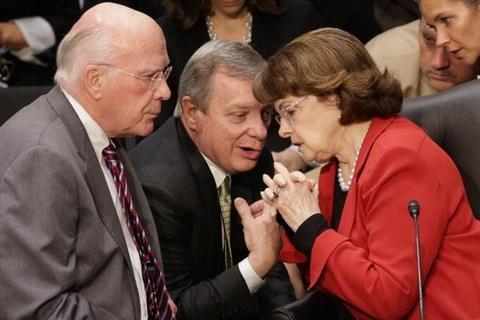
(292, 195)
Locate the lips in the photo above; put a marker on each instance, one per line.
(250, 153)
(440, 76)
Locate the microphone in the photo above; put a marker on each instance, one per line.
(414, 210)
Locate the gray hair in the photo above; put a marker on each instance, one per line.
(238, 60)
(78, 49)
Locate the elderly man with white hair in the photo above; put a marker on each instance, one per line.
(78, 239)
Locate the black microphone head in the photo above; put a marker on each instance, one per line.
(414, 208)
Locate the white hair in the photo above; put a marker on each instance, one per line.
(237, 59)
(78, 49)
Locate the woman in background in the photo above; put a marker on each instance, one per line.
(457, 23)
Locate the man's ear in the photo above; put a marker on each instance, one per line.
(189, 113)
(94, 79)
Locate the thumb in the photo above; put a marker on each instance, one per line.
(243, 209)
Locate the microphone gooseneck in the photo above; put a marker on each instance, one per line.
(414, 211)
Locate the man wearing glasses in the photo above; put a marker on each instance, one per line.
(192, 170)
(78, 240)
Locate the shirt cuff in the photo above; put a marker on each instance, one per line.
(38, 33)
(254, 282)
(308, 231)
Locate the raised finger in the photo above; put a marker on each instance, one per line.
(282, 170)
(279, 180)
(297, 176)
(269, 182)
(243, 209)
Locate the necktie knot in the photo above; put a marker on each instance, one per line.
(110, 153)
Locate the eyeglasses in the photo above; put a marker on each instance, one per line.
(154, 80)
(288, 112)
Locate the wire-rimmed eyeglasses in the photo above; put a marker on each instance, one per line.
(154, 80)
(287, 113)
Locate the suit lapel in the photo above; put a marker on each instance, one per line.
(93, 172)
(205, 185)
(141, 205)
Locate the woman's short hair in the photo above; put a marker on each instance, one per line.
(187, 12)
(237, 60)
(330, 61)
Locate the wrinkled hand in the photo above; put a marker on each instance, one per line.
(294, 196)
(262, 234)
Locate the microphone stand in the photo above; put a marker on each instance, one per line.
(414, 210)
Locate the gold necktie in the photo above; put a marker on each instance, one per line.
(225, 206)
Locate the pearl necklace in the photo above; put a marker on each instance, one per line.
(248, 25)
(345, 185)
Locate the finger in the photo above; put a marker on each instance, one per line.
(279, 180)
(297, 176)
(269, 182)
(315, 190)
(281, 169)
(257, 207)
(264, 197)
(269, 194)
(243, 209)
(311, 184)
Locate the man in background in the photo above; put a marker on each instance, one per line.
(410, 54)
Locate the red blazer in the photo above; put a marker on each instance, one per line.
(370, 261)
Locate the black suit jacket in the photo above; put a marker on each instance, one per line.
(269, 33)
(183, 197)
(354, 16)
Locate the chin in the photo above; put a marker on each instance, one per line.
(441, 86)
(244, 166)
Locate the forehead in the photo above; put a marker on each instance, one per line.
(147, 52)
(432, 9)
(227, 91)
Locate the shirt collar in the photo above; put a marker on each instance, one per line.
(218, 174)
(95, 133)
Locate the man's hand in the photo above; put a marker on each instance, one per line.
(262, 234)
(11, 36)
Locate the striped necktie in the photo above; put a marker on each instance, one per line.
(153, 278)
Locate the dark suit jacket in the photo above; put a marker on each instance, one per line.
(63, 253)
(183, 197)
(269, 33)
(354, 16)
(60, 14)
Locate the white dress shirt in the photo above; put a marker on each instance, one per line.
(253, 280)
(100, 141)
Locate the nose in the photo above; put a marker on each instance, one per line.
(258, 128)
(285, 131)
(162, 91)
(442, 38)
(440, 58)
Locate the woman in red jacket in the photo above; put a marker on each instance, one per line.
(356, 243)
